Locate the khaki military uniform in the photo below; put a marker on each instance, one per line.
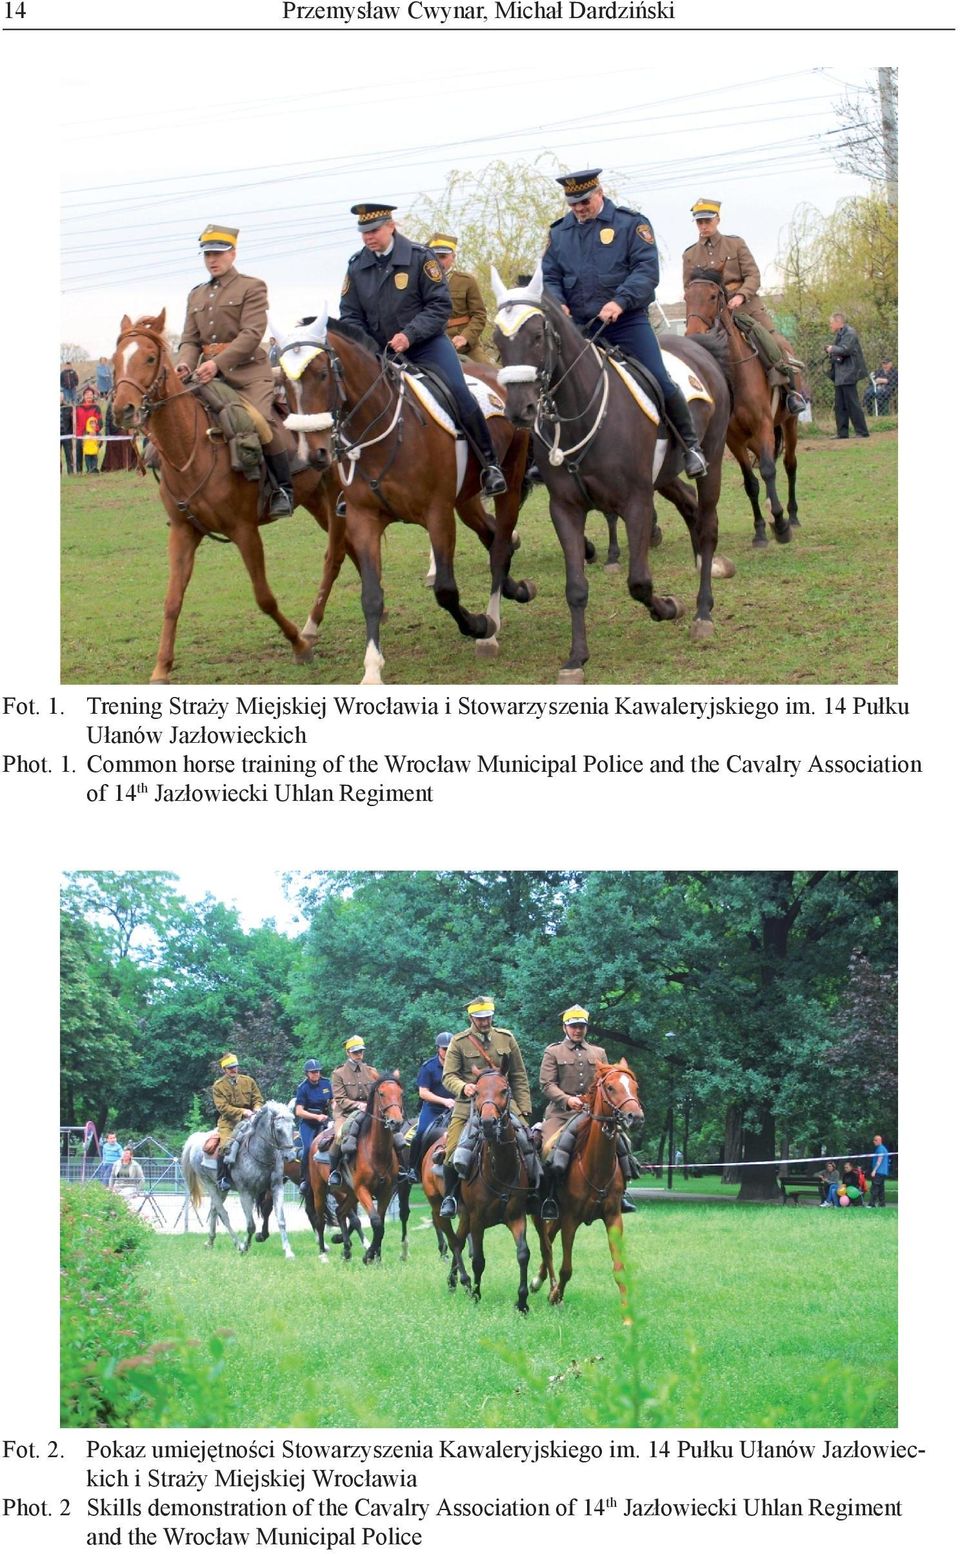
(568, 1068)
(460, 1066)
(469, 315)
(740, 270)
(352, 1084)
(226, 322)
(232, 1097)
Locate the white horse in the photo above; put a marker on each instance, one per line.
(264, 1142)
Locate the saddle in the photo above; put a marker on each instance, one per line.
(771, 353)
(641, 376)
(211, 1143)
(242, 427)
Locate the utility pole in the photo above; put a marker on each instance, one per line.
(888, 126)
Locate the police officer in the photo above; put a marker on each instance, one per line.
(235, 1096)
(312, 1103)
(715, 250)
(352, 1083)
(567, 1071)
(601, 263)
(395, 289)
(482, 1043)
(435, 1099)
(469, 317)
(225, 325)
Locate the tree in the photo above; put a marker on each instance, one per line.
(97, 1034)
(867, 142)
(138, 910)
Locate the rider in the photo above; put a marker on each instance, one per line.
(235, 1096)
(435, 1099)
(225, 324)
(395, 290)
(482, 1043)
(468, 319)
(312, 1103)
(352, 1084)
(715, 250)
(567, 1071)
(601, 264)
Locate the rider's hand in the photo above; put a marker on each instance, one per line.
(247, 1112)
(469, 1090)
(610, 312)
(400, 342)
(736, 301)
(206, 371)
(459, 341)
(183, 371)
(576, 1101)
(449, 1104)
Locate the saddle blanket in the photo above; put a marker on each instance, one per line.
(687, 382)
(489, 401)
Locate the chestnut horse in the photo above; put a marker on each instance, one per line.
(495, 1192)
(431, 1181)
(372, 1178)
(596, 447)
(397, 464)
(593, 1185)
(202, 494)
(760, 422)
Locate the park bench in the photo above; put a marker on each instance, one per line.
(797, 1184)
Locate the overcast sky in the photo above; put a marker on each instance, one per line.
(285, 170)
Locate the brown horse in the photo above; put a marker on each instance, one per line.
(397, 464)
(431, 1180)
(201, 493)
(597, 447)
(593, 1185)
(495, 1192)
(760, 423)
(372, 1177)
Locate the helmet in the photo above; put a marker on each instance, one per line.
(575, 1015)
(229, 1060)
(310, 1063)
(354, 1044)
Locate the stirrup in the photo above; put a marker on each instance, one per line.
(796, 404)
(549, 1209)
(448, 1207)
(341, 506)
(281, 502)
(694, 463)
(493, 480)
(407, 1176)
(335, 1179)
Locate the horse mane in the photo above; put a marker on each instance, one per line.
(703, 273)
(147, 325)
(348, 330)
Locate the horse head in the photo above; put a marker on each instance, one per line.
(387, 1104)
(492, 1101)
(279, 1121)
(141, 364)
(617, 1096)
(704, 298)
(524, 337)
(311, 369)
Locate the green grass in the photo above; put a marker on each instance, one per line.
(820, 610)
(744, 1317)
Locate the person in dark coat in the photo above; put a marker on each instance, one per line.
(66, 431)
(436, 1100)
(601, 265)
(395, 290)
(312, 1106)
(847, 367)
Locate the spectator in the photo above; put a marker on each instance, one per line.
(846, 368)
(91, 445)
(879, 1171)
(66, 431)
(828, 1177)
(104, 377)
(69, 382)
(109, 1155)
(86, 409)
(126, 1177)
(881, 396)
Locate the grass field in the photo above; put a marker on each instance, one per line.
(745, 1316)
(801, 613)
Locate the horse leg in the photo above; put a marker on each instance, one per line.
(518, 1229)
(440, 526)
(568, 1230)
(332, 562)
(478, 1261)
(768, 472)
(790, 431)
(182, 545)
(638, 517)
(615, 1238)
(281, 1218)
(612, 563)
(403, 1203)
(219, 1212)
(372, 1206)
(699, 513)
(546, 1233)
(365, 529)
(246, 1201)
(737, 443)
(264, 1205)
(248, 542)
(568, 520)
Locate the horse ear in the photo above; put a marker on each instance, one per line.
(126, 323)
(161, 321)
(623, 1063)
(505, 1064)
(535, 289)
(499, 290)
(276, 332)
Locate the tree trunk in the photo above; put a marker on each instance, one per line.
(732, 1143)
(758, 1184)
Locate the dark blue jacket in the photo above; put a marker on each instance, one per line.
(430, 1077)
(405, 292)
(612, 258)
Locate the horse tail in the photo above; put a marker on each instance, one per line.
(189, 1174)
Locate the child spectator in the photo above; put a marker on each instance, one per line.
(91, 445)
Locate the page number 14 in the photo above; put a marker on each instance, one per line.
(10, 11)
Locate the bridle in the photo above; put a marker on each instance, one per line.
(612, 1122)
(381, 1108)
(721, 312)
(549, 384)
(502, 1132)
(275, 1144)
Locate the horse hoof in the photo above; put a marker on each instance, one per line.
(159, 679)
(487, 647)
(782, 536)
(309, 631)
(324, 1258)
(570, 677)
(760, 542)
(430, 581)
(612, 566)
(523, 1310)
(303, 653)
(531, 588)
(288, 1254)
(677, 607)
(656, 537)
(722, 567)
(701, 630)
(535, 1285)
(794, 523)
(371, 679)
(628, 1321)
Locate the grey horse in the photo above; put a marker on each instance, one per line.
(264, 1142)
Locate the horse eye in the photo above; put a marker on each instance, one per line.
(151, 360)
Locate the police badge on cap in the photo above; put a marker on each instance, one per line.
(580, 186)
(371, 214)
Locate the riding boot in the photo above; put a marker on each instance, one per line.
(796, 404)
(281, 497)
(223, 1175)
(478, 435)
(335, 1179)
(451, 1181)
(549, 1208)
(404, 1174)
(678, 414)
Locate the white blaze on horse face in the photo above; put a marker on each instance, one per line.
(129, 351)
(303, 451)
